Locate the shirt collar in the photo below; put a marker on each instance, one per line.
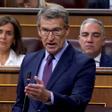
(11, 57)
(97, 59)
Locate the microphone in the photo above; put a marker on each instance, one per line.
(26, 99)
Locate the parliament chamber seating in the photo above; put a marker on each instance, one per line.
(9, 78)
(76, 16)
(34, 44)
(107, 48)
(98, 108)
(103, 87)
(100, 102)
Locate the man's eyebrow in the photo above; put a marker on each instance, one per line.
(91, 32)
(97, 32)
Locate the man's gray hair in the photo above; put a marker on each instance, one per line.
(52, 13)
(93, 20)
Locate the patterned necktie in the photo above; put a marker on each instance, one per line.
(47, 69)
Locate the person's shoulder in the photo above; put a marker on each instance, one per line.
(34, 54)
(31, 57)
(78, 54)
(81, 57)
(106, 60)
(106, 56)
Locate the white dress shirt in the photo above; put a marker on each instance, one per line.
(13, 59)
(110, 4)
(97, 60)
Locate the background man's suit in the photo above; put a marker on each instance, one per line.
(72, 82)
(103, 4)
(105, 61)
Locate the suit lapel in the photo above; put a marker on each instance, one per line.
(61, 66)
(104, 60)
(37, 62)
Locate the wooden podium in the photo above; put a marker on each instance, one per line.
(102, 95)
(8, 84)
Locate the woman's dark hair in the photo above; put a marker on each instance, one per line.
(18, 45)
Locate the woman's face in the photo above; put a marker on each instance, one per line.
(6, 37)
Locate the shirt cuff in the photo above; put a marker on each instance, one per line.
(51, 99)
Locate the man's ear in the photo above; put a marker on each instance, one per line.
(67, 31)
(38, 30)
(104, 38)
(79, 39)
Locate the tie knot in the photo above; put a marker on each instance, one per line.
(50, 57)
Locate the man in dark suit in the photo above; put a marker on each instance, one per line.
(106, 60)
(92, 40)
(70, 86)
(98, 4)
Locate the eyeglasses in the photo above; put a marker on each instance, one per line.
(55, 31)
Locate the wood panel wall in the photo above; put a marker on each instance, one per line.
(8, 77)
(28, 20)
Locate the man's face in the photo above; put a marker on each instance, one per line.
(53, 34)
(91, 39)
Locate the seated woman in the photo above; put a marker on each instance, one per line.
(11, 47)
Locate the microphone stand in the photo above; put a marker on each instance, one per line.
(26, 99)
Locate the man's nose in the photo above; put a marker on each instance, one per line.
(51, 35)
(90, 37)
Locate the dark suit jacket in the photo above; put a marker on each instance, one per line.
(72, 82)
(105, 61)
(100, 4)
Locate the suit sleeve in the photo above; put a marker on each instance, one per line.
(82, 88)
